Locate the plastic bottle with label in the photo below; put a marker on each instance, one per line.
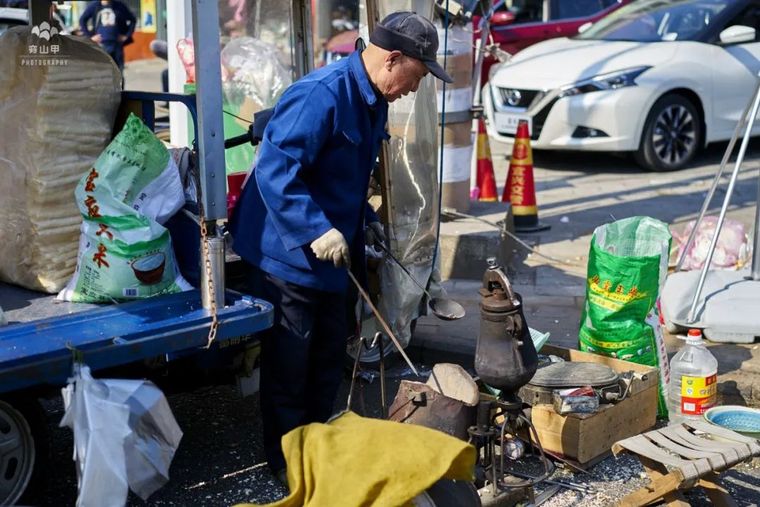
(693, 387)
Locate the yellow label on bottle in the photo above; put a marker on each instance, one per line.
(698, 394)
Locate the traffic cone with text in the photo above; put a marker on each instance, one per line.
(520, 189)
(486, 180)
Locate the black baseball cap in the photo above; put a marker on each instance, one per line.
(414, 36)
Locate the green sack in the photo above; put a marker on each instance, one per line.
(125, 252)
(627, 266)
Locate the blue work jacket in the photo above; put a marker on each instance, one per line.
(311, 174)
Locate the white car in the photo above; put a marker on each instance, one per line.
(658, 78)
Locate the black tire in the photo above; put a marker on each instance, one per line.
(25, 466)
(448, 493)
(672, 135)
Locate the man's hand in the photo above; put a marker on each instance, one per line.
(374, 234)
(332, 246)
(97, 38)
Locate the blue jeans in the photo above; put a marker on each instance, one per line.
(116, 51)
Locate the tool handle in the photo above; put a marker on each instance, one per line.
(380, 318)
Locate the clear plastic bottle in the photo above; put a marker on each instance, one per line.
(693, 384)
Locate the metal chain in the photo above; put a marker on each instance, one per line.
(209, 278)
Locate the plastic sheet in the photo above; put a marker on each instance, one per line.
(413, 202)
(56, 116)
(253, 73)
(731, 252)
(125, 437)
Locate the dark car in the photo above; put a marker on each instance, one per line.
(527, 22)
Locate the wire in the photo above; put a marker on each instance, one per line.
(236, 116)
(501, 227)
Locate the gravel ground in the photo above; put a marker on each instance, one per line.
(220, 461)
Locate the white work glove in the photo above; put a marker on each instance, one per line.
(374, 234)
(332, 246)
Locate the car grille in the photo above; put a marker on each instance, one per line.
(539, 119)
(519, 98)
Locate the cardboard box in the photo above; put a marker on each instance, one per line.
(586, 437)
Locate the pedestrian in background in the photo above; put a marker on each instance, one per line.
(110, 24)
(300, 221)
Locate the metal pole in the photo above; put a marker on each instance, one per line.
(729, 150)
(303, 56)
(210, 136)
(756, 251)
(729, 191)
(208, 79)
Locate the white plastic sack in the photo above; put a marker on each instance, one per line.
(3, 320)
(731, 251)
(125, 437)
(124, 250)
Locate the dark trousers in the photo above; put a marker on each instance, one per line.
(116, 52)
(301, 358)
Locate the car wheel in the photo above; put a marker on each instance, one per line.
(24, 451)
(672, 135)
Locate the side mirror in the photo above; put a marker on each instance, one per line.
(585, 26)
(736, 34)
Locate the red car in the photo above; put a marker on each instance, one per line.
(527, 22)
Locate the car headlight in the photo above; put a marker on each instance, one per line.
(609, 81)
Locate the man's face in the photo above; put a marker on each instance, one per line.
(403, 75)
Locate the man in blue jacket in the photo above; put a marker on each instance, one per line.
(110, 24)
(300, 221)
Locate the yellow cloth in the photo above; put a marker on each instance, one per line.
(354, 461)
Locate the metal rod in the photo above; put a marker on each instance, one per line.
(583, 488)
(716, 182)
(380, 318)
(383, 407)
(756, 250)
(354, 372)
(729, 191)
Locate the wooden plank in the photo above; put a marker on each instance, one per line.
(717, 494)
(656, 470)
(629, 417)
(657, 489)
(583, 439)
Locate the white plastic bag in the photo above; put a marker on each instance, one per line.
(731, 252)
(125, 437)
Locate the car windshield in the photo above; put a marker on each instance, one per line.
(657, 20)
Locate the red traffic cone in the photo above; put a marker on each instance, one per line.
(520, 188)
(486, 180)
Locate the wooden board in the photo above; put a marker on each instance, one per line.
(583, 437)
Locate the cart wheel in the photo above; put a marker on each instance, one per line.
(447, 493)
(24, 451)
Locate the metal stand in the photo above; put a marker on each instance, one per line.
(724, 303)
(746, 122)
